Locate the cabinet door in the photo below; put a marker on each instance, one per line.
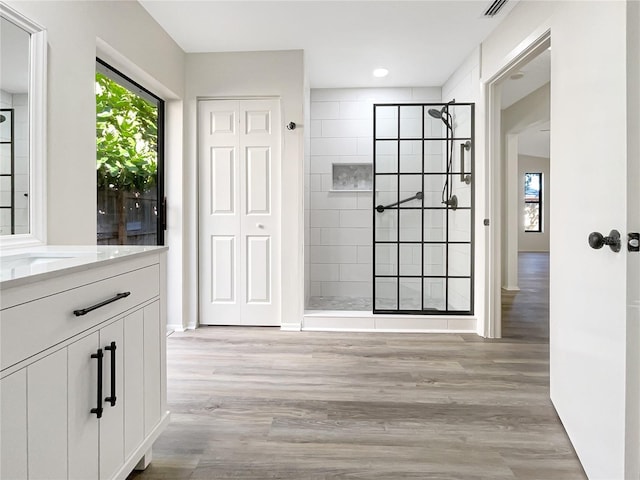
(47, 417)
(133, 382)
(13, 426)
(83, 425)
(152, 366)
(112, 422)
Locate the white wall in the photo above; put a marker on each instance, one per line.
(341, 222)
(307, 186)
(125, 35)
(633, 260)
(73, 29)
(533, 241)
(251, 74)
(588, 318)
(464, 86)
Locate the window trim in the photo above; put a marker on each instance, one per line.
(538, 202)
(130, 84)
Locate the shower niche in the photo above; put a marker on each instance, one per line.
(423, 186)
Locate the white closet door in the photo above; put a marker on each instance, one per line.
(239, 172)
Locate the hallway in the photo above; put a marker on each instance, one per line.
(525, 314)
(257, 403)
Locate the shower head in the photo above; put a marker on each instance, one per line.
(441, 115)
(435, 113)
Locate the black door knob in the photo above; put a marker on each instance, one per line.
(597, 240)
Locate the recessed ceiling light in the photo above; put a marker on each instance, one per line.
(380, 72)
(517, 76)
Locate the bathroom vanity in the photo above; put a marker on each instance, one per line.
(82, 361)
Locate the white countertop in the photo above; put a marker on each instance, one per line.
(25, 265)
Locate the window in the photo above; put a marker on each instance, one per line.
(533, 202)
(129, 148)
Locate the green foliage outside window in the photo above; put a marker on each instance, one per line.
(127, 138)
(126, 144)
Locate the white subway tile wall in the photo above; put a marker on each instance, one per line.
(340, 223)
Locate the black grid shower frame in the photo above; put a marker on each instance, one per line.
(12, 168)
(423, 208)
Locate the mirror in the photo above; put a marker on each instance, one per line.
(14, 129)
(22, 132)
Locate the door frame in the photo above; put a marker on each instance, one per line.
(197, 184)
(494, 181)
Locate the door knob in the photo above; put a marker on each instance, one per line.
(597, 240)
(259, 225)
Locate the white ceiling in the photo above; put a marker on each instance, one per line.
(536, 73)
(14, 58)
(421, 42)
(535, 141)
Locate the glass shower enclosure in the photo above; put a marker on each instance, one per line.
(423, 213)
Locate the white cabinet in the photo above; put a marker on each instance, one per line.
(90, 405)
(13, 428)
(34, 417)
(47, 417)
(83, 425)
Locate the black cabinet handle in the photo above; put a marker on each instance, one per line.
(112, 398)
(84, 311)
(98, 410)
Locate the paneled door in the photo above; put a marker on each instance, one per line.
(239, 212)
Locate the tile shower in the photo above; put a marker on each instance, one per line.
(340, 215)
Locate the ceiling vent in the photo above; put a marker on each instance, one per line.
(495, 6)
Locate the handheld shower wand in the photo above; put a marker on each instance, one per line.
(441, 114)
(444, 115)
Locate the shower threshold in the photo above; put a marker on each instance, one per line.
(364, 304)
(351, 320)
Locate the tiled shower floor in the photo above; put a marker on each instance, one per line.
(363, 304)
(340, 303)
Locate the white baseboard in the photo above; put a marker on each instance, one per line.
(511, 289)
(176, 327)
(291, 327)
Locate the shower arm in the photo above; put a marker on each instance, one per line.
(418, 196)
(464, 146)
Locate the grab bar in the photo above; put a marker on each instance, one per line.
(418, 196)
(464, 146)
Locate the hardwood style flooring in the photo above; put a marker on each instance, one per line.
(259, 403)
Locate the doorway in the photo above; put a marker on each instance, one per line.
(518, 103)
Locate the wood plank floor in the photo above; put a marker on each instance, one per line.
(258, 403)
